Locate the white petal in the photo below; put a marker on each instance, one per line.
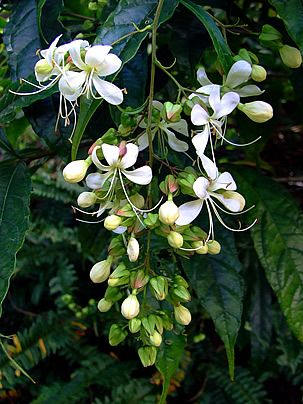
(48, 53)
(130, 158)
(238, 74)
(180, 127)
(210, 167)
(141, 176)
(200, 187)
(110, 65)
(188, 212)
(75, 53)
(158, 105)
(228, 103)
(96, 160)
(175, 143)
(143, 141)
(70, 84)
(96, 180)
(200, 141)
(111, 93)
(249, 91)
(95, 55)
(205, 91)
(214, 98)
(224, 181)
(110, 153)
(231, 204)
(202, 77)
(199, 116)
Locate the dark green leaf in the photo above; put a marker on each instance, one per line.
(48, 14)
(219, 287)
(220, 45)
(21, 38)
(15, 188)
(5, 144)
(168, 359)
(291, 12)
(278, 240)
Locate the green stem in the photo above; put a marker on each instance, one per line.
(137, 31)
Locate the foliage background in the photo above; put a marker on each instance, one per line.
(59, 337)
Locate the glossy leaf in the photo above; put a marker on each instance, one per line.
(291, 12)
(278, 240)
(220, 45)
(15, 188)
(168, 359)
(218, 284)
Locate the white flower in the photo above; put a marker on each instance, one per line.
(168, 128)
(75, 171)
(98, 62)
(168, 213)
(133, 249)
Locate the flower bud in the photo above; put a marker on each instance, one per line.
(120, 276)
(138, 200)
(75, 171)
(149, 323)
(203, 247)
(147, 355)
(238, 200)
(175, 239)
(100, 271)
(138, 279)
(155, 339)
(290, 56)
(104, 305)
(182, 315)
(112, 222)
(130, 307)
(214, 247)
(43, 70)
(133, 249)
(112, 294)
(257, 111)
(134, 325)
(258, 73)
(168, 212)
(86, 199)
(172, 111)
(116, 335)
(159, 285)
(181, 293)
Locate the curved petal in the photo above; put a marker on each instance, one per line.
(70, 84)
(95, 55)
(224, 181)
(238, 74)
(111, 153)
(202, 77)
(174, 142)
(200, 141)
(111, 93)
(141, 176)
(110, 65)
(209, 166)
(96, 180)
(199, 116)
(200, 187)
(47, 54)
(75, 53)
(96, 160)
(158, 105)
(205, 91)
(232, 204)
(228, 103)
(131, 155)
(214, 98)
(189, 211)
(180, 127)
(249, 91)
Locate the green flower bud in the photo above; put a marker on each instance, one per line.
(258, 73)
(147, 355)
(257, 111)
(116, 335)
(149, 323)
(168, 213)
(138, 200)
(182, 293)
(203, 247)
(138, 279)
(214, 247)
(172, 111)
(269, 33)
(112, 222)
(130, 307)
(86, 199)
(104, 305)
(120, 276)
(175, 239)
(100, 271)
(112, 294)
(182, 315)
(159, 285)
(133, 249)
(134, 325)
(155, 339)
(290, 56)
(180, 281)
(43, 70)
(75, 171)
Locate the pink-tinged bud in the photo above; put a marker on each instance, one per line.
(86, 199)
(75, 171)
(112, 222)
(133, 249)
(258, 73)
(257, 111)
(182, 315)
(100, 271)
(173, 111)
(138, 279)
(168, 213)
(203, 247)
(122, 148)
(104, 305)
(130, 307)
(291, 56)
(175, 239)
(155, 339)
